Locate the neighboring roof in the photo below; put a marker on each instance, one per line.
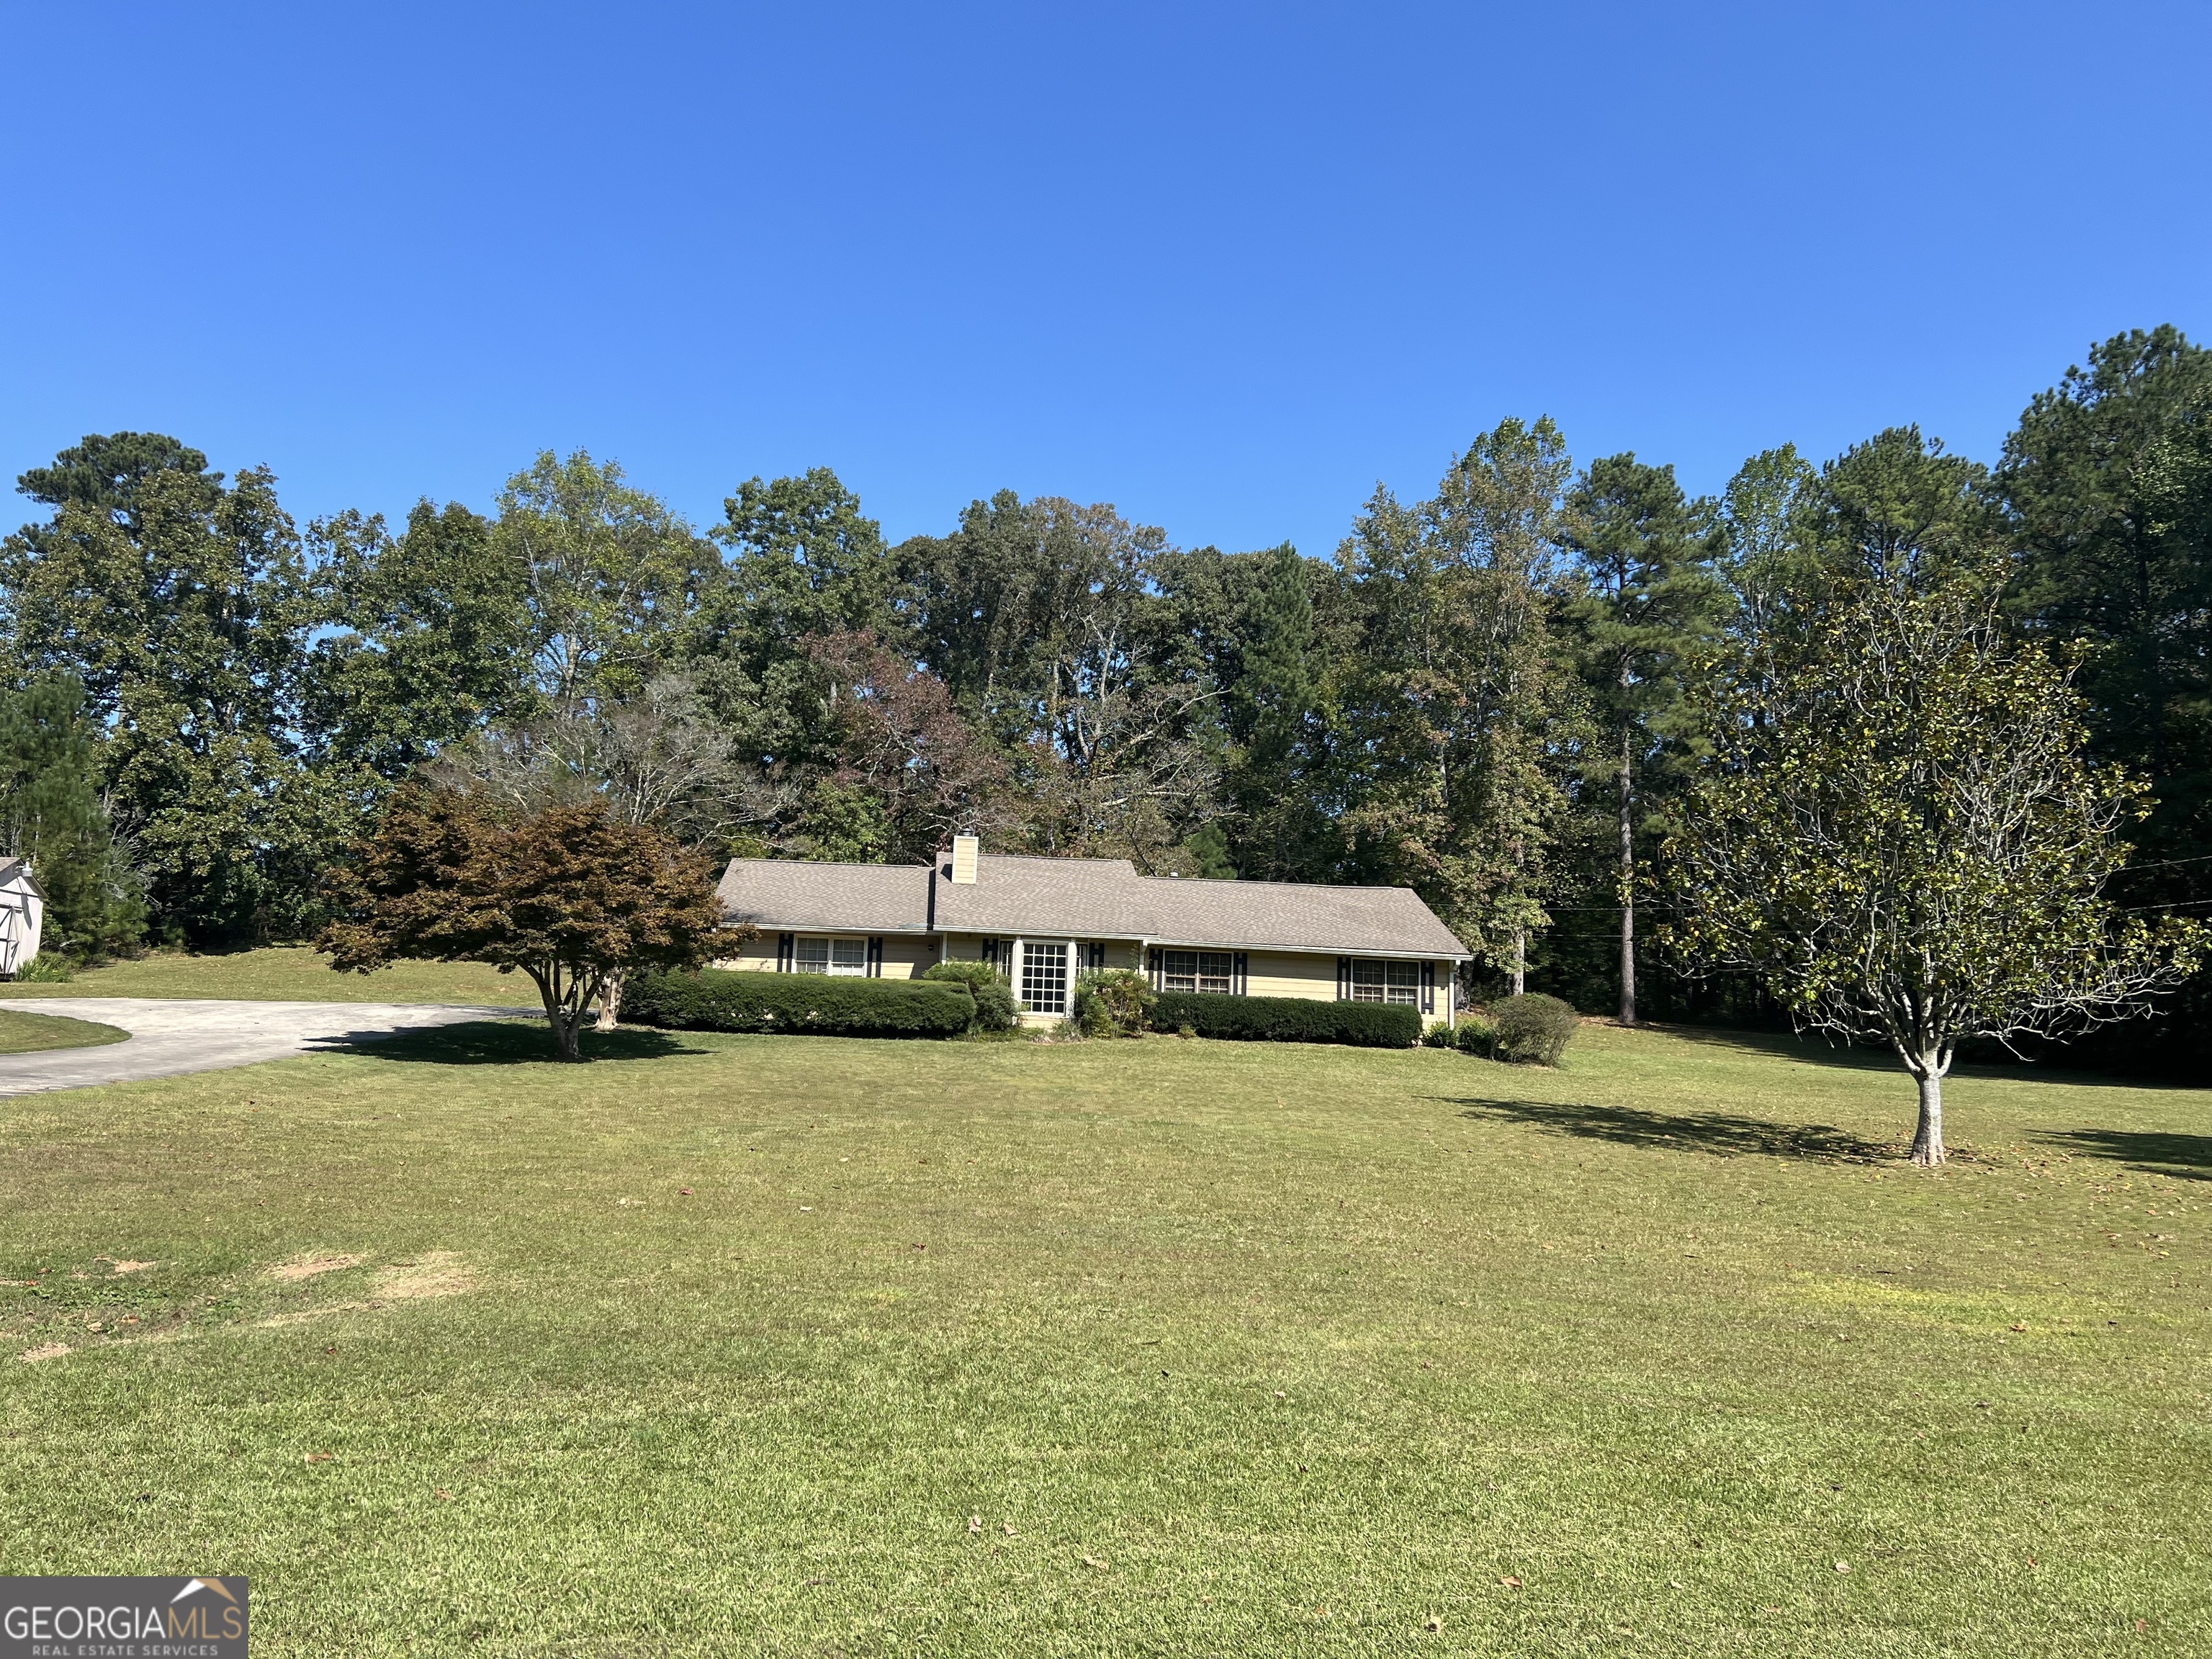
(1085, 898)
(857, 898)
(17, 869)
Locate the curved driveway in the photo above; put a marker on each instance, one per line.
(169, 1036)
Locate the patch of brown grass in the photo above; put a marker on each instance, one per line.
(308, 1265)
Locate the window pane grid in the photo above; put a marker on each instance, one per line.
(1044, 978)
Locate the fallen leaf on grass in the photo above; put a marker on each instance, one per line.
(1093, 1561)
(1510, 1581)
(440, 1492)
(684, 1191)
(1435, 1623)
(2020, 1327)
(974, 1523)
(320, 1457)
(1842, 1566)
(133, 1267)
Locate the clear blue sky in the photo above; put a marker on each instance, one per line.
(1225, 267)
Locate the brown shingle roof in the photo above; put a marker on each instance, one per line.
(1085, 898)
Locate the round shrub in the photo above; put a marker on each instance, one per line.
(1113, 1002)
(1472, 1036)
(995, 1008)
(1535, 1028)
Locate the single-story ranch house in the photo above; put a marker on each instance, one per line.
(1042, 921)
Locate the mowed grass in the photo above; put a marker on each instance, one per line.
(1156, 1347)
(29, 1034)
(288, 974)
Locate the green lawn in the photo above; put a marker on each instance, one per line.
(1225, 1349)
(288, 974)
(29, 1034)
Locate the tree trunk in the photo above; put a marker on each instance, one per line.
(610, 990)
(1520, 960)
(564, 1020)
(1627, 885)
(1927, 1138)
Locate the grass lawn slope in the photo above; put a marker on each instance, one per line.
(30, 1034)
(288, 974)
(796, 1345)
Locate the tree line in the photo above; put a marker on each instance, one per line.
(1503, 695)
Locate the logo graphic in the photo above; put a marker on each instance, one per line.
(123, 1617)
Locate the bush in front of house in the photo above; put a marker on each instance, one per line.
(1288, 1019)
(1472, 1036)
(995, 1007)
(1535, 1028)
(1111, 1002)
(716, 999)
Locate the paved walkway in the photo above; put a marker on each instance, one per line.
(171, 1036)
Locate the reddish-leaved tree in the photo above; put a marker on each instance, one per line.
(569, 894)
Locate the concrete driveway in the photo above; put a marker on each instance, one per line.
(171, 1036)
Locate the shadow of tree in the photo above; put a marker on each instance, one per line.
(2154, 1151)
(1717, 1133)
(513, 1042)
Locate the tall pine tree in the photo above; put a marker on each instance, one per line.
(1648, 601)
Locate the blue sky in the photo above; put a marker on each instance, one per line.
(1226, 267)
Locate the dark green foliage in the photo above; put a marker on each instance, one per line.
(1287, 1019)
(1473, 1036)
(1535, 1029)
(714, 999)
(1111, 1002)
(995, 1007)
(50, 813)
(2109, 481)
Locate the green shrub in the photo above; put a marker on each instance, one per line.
(1112, 1002)
(1438, 1035)
(1288, 1019)
(713, 999)
(1472, 1036)
(995, 1007)
(47, 968)
(1534, 1028)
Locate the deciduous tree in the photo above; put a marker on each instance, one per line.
(568, 894)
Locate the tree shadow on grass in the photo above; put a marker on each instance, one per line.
(2153, 1152)
(1714, 1133)
(513, 1042)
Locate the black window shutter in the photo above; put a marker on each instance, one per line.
(1428, 988)
(1343, 979)
(785, 947)
(1239, 982)
(875, 958)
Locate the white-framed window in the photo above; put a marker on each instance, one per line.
(1211, 971)
(1044, 977)
(830, 955)
(1386, 981)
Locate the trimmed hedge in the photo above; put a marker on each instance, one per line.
(1288, 1019)
(716, 999)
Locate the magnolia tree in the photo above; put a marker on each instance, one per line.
(569, 894)
(1898, 833)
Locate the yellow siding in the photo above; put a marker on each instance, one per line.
(1289, 974)
(905, 955)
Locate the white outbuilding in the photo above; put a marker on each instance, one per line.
(23, 916)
